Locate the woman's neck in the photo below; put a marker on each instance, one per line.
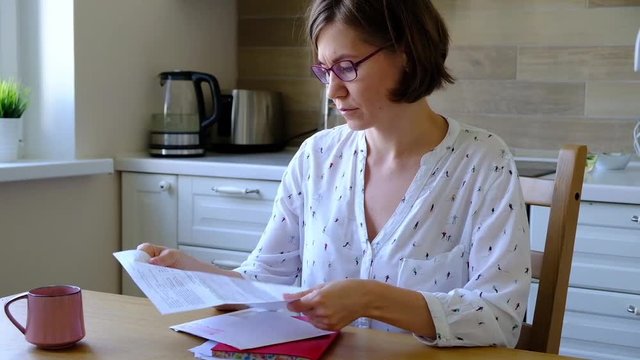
(416, 130)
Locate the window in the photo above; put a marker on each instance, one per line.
(8, 39)
(36, 48)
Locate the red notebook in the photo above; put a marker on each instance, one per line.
(307, 349)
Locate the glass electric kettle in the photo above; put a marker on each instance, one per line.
(179, 129)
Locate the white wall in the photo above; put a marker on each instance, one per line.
(64, 230)
(58, 231)
(122, 45)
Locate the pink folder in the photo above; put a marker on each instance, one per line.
(307, 349)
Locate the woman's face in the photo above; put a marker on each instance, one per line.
(364, 102)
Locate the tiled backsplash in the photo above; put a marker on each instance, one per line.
(538, 73)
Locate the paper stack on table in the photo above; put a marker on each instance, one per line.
(255, 333)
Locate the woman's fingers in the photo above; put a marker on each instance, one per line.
(299, 306)
(302, 301)
(296, 296)
(151, 249)
(160, 255)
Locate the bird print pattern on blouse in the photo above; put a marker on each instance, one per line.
(459, 235)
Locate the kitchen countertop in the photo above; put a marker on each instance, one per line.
(618, 186)
(264, 166)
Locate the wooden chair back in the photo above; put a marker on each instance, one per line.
(553, 266)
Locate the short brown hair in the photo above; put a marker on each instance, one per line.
(413, 27)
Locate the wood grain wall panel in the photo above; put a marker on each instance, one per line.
(580, 27)
(478, 62)
(270, 62)
(473, 6)
(549, 132)
(613, 99)
(606, 3)
(278, 32)
(272, 8)
(298, 122)
(576, 63)
(538, 73)
(510, 97)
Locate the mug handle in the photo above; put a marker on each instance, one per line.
(11, 318)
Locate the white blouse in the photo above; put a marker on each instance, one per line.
(459, 236)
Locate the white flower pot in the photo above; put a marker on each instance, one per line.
(10, 130)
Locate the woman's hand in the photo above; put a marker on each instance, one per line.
(331, 306)
(335, 305)
(173, 258)
(164, 256)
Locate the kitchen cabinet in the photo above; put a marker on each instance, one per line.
(214, 207)
(225, 259)
(215, 219)
(600, 321)
(149, 214)
(220, 220)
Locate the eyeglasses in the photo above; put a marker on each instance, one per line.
(345, 70)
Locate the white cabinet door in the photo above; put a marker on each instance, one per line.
(604, 281)
(225, 259)
(597, 324)
(149, 214)
(607, 248)
(224, 213)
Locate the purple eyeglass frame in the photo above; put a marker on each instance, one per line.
(317, 69)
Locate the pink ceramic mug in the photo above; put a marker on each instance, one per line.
(54, 316)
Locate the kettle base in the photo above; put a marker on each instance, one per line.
(193, 152)
(245, 149)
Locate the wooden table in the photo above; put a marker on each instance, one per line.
(126, 327)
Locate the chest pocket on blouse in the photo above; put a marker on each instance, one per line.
(442, 273)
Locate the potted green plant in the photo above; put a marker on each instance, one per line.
(14, 100)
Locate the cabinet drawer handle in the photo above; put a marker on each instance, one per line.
(635, 219)
(226, 264)
(634, 310)
(234, 190)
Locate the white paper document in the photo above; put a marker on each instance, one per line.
(251, 328)
(203, 351)
(173, 290)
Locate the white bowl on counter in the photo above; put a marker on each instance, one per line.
(613, 161)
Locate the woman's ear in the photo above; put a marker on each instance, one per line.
(405, 63)
(401, 56)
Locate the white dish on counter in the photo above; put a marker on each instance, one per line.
(613, 161)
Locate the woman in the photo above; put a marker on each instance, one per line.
(402, 219)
